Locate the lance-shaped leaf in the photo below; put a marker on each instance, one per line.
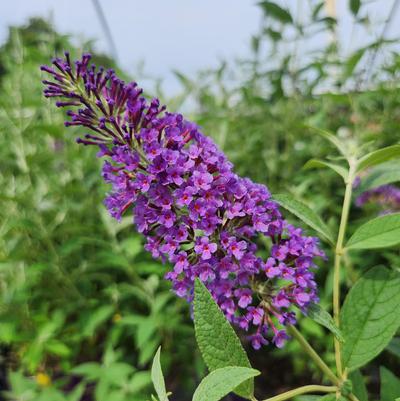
(304, 213)
(390, 385)
(316, 163)
(218, 342)
(275, 11)
(377, 157)
(386, 173)
(221, 382)
(355, 6)
(370, 316)
(332, 138)
(381, 232)
(321, 316)
(157, 377)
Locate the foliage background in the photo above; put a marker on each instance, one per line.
(82, 307)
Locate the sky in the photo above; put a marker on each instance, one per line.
(183, 35)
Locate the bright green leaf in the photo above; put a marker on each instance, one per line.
(157, 377)
(89, 370)
(377, 157)
(381, 232)
(321, 316)
(390, 385)
(304, 213)
(98, 317)
(316, 163)
(221, 382)
(385, 173)
(370, 316)
(332, 138)
(218, 343)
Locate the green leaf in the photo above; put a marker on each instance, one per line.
(275, 11)
(218, 343)
(304, 213)
(370, 316)
(316, 163)
(332, 138)
(221, 382)
(359, 388)
(90, 370)
(351, 63)
(377, 157)
(390, 385)
(355, 6)
(98, 317)
(386, 173)
(321, 316)
(381, 232)
(157, 377)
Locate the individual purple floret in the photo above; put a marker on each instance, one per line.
(387, 197)
(193, 210)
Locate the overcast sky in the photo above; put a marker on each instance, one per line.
(186, 35)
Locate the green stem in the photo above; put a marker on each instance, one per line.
(338, 257)
(303, 390)
(352, 397)
(313, 354)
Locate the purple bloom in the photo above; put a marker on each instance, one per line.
(181, 262)
(236, 248)
(257, 340)
(167, 218)
(386, 197)
(280, 338)
(202, 180)
(193, 210)
(245, 297)
(205, 248)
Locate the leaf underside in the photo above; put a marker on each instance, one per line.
(221, 382)
(381, 232)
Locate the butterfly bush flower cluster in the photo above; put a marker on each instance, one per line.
(387, 197)
(192, 209)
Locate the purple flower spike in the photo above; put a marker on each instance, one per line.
(193, 210)
(386, 197)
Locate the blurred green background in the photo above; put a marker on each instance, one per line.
(82, 307)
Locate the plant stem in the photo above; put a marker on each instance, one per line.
(352, 397)
(313, 354)
(338, 256)
(303, 390)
